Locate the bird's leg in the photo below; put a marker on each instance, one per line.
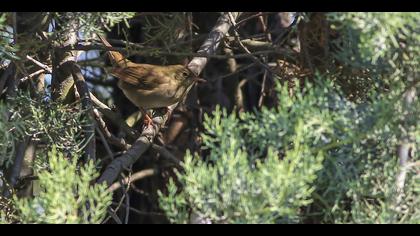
(147, 120)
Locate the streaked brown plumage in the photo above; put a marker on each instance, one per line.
(149, 86)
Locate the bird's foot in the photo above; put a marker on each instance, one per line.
(147, 120)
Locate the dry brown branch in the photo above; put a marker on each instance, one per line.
(134, 177)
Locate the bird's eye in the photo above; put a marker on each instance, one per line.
(185, 74)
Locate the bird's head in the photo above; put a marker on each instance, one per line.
(185, 74)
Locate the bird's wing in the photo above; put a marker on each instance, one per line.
(141, 76)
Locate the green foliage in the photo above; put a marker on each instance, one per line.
(46, 122)
(66, 195)
(377, 40)
(316, 157)
(12, 130)
(166, 37)
(375, 50)
(50, 122)
(262, 166)
(90, 23)
(165, 28)
(7, 51)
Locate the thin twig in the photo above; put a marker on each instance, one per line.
(134, 177)
(259, 14)
(104, 142)
(38, 72)
(264, 80)
(237, 71)
(119, 142)
(114, 216)
(245, 49)
(127, 204)
(264, 28)
(166, 154)
(114, 117)
(262, 91)
(43, 66)
(140, 212)
(89, 131)
(181, 54)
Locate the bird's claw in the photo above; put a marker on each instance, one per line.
(147, 120)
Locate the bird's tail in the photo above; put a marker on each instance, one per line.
(115, 57)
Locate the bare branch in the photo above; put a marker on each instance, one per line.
(89, 131)
(166, 154)
(245, 49)
(209, 46)
(134, 177)
(17, 166)
(38, 72)
(114, 117)
(105, 143)
(43, 66)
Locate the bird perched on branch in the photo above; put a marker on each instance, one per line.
(150, 86)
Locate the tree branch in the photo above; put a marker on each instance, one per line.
(265, 50)
(134, 177)
(104, 142)
(43, 66)
(244, 48)
(114, 117)
(63, 60)
(89, 131)
(119, 142)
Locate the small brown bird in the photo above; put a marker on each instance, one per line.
(150, 86)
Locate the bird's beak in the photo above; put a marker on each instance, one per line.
(199, 80)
